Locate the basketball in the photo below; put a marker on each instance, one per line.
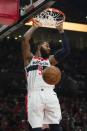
(51, 75)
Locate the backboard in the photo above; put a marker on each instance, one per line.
(34, 7)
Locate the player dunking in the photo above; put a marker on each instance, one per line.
(43, 104)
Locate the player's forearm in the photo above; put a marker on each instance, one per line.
(65, 43)
(29, 33)
(62, 53)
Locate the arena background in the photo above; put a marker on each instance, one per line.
(72, 90)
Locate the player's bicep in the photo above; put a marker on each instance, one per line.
(52, 60)
(26, 52)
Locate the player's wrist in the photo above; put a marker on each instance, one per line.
(61, 31)
(34, 27)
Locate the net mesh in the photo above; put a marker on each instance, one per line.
(50, 18)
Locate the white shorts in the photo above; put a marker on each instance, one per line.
(43, 108)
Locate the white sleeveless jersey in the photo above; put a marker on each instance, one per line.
(34, 74)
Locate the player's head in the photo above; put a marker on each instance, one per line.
(44, 49)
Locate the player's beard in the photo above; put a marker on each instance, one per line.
(44, 53)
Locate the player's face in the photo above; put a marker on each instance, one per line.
(45, 50)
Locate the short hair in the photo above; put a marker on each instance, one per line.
(34, 45)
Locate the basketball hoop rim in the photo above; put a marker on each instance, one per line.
(55, 10)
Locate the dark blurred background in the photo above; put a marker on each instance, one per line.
(72, 90)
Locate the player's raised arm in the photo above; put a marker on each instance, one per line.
(26, 51)
(64, 51)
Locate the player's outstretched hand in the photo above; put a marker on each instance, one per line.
(36, 23)
(59, 27)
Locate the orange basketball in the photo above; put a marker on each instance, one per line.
(51, 75)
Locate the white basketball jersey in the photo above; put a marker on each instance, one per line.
(34, 74)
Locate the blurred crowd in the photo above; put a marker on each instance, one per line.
(13, 113)
(74, 113)
(72, 92)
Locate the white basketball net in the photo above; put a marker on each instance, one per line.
(48, 18)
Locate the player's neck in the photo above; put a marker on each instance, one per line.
(38, 54)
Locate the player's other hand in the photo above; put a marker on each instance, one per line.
(36, 23)
(59, 27)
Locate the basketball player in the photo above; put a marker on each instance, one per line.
(43, 105)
